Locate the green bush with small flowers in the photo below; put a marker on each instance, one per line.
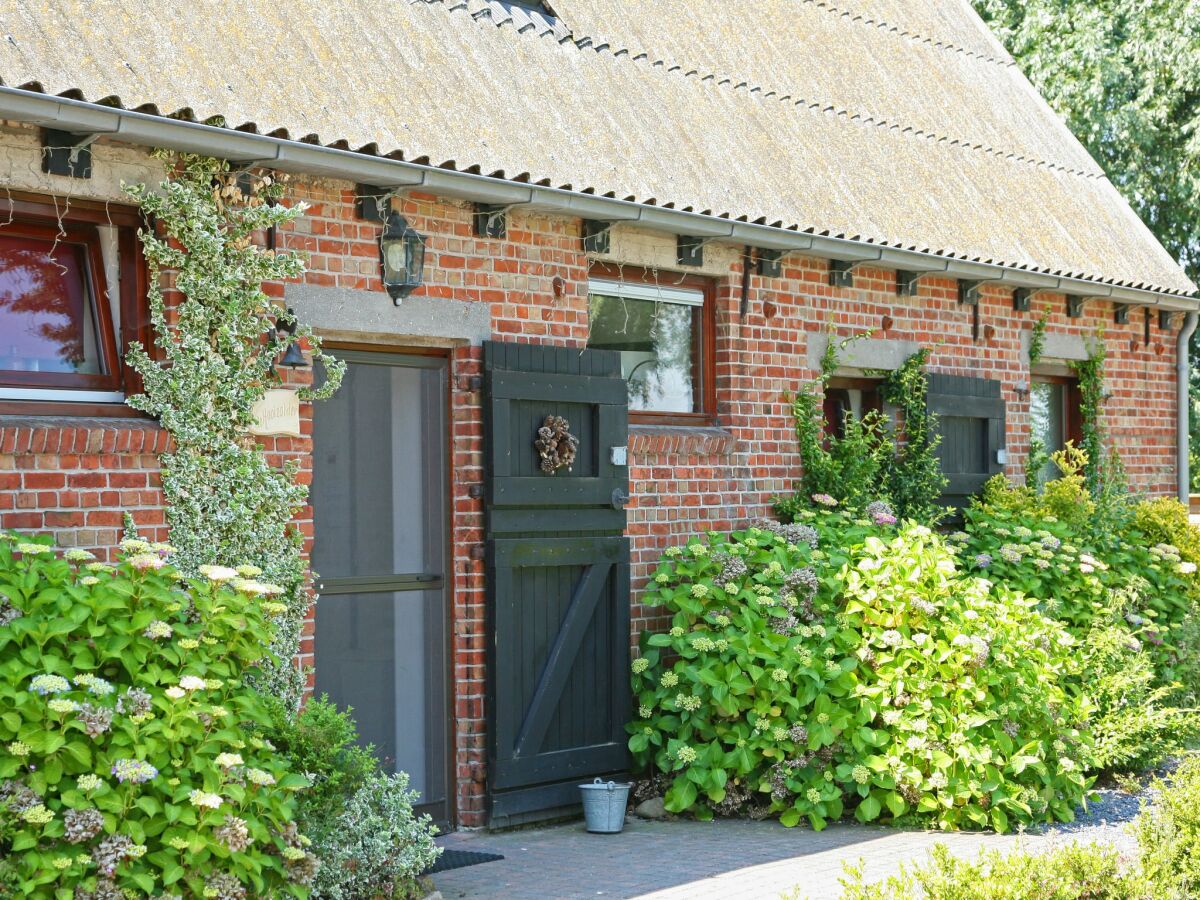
(1126, 594)
(128, 763)
(844, 662)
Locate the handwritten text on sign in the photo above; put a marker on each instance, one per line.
(277, 413)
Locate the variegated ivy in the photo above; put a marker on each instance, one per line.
(216, 345)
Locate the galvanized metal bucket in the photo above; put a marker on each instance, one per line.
(604, 806)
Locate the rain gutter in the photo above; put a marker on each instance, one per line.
(1183, 377)
(144, 129)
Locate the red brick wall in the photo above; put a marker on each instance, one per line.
(74, 477)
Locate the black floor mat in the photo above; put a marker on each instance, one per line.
(460, 859)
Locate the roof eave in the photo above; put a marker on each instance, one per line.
(143, 129)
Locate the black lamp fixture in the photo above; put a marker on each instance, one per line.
(402, 255)
(293, 357)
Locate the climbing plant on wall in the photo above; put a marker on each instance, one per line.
(1090, 373)
(915, 480)
(865, 459)
(216, 344)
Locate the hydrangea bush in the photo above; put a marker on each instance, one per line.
(846, 662)
(127, 762)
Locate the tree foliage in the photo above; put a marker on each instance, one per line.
(1123, 74)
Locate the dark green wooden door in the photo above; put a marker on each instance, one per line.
(558, 579)
(971, 422)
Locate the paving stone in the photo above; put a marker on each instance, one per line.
(686, 860)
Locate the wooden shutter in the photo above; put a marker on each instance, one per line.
(971, 422)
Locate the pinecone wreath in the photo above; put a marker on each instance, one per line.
(556, 445)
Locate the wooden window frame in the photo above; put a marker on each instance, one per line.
(78, 221)
(1072, 404)
(871, 389)
(704, 321)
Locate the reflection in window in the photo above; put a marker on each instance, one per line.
(1048, 423)
(654, 330)
(47, 322)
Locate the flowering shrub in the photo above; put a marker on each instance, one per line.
(835, 663)
(360, 819)
(125, 763)
(1079, 573)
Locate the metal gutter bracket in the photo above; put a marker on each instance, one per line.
(1023, 297)
(67, 153)
(689, 250)
(768, 263)
(490, 220)
(371, 202)
(596, 236)
(841, 272)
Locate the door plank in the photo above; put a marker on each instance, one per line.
(561, 657)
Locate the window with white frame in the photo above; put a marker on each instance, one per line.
(658, 331)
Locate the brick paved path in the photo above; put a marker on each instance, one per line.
(686, 860)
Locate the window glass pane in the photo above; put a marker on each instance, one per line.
(1046, 422)
(657, 346)
(47, 323)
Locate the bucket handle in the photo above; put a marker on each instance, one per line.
(612, 786)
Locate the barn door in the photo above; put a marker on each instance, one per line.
(971, 421)
(558, 579)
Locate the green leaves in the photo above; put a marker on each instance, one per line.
(111, 712)
(892, 690)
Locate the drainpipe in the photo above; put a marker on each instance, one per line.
(1182, 394)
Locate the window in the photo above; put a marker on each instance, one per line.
(1054, 417)
(59, 315)
(662, 333)
(853, 397)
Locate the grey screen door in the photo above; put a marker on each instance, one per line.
(379, 509)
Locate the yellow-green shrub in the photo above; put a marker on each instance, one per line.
(818, 667)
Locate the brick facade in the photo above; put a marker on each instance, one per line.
(74, 477)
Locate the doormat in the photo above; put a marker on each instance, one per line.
(460, 859)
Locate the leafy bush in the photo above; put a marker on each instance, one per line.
(126, 759)
(376, 846)
(868, 460)
(360, 820)
(1052, 547)
(1167, 867)
(1135, 723)
(1164, 520)
(814, 667)
(1130, 600)
(1168, 834)
(1070, 872)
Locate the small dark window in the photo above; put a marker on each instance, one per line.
(855, 397)
(55, 323)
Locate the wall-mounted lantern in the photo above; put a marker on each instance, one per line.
(402, 255)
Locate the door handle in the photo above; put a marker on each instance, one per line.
(620, 497)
